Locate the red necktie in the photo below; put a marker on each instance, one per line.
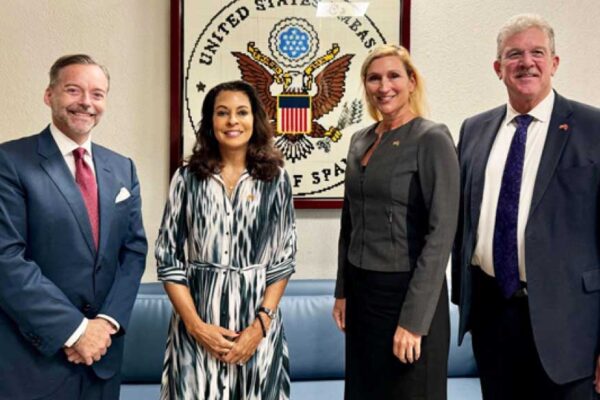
(84, 176)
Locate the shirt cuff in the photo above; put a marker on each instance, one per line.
(77, 334)
(111, 320)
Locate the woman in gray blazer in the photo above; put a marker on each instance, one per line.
(398, 224)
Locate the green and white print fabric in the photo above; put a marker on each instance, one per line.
(227, 251)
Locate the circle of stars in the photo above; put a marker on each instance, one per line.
(294, 42)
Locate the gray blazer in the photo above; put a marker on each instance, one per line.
(401, 213)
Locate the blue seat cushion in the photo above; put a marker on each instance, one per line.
(461, 361)
(132, 391)
(317, 390)
(464, 389)
(316, 346)
(147, 335)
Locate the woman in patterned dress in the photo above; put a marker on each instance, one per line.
(225, 251)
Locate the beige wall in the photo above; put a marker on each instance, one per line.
(132, 38)
(453, 42)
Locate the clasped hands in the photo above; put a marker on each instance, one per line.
(93, 343)
(229, 346)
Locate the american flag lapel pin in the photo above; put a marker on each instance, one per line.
(396, 143)
(564, 127)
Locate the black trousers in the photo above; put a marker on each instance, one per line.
(505, 351)
(373, 305)
(85, 385)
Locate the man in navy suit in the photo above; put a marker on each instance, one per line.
(72, 248)
(526, 263)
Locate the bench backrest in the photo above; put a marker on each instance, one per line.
(316, 346)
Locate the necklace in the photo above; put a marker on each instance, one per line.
(230, 182)
(231, 169)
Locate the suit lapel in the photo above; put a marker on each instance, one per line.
(108, 188)
(56, 168)
(363, 143)
(553, 148)
(489, 130)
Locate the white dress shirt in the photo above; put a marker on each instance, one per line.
(66, 146)
(536, 137)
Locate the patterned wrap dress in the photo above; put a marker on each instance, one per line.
(227, 251)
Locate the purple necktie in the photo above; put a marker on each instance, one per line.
(506, 254)
(84, 176)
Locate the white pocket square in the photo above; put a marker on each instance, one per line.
(123, 195)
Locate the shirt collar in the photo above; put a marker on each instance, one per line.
(541, 112)
(66, 145)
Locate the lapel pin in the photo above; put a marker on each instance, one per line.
(396, 143)
(564, 127)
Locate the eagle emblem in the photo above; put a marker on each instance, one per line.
(295, 99)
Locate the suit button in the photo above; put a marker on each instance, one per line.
(98, 267)
(87, 308)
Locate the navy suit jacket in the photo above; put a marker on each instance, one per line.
(562, 236)
(51, 275)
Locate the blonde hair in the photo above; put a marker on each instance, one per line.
(416, 100)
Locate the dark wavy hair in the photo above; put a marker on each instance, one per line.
(263, 159)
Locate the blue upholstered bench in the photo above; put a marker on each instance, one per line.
(316, 346)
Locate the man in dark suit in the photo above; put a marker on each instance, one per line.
(526, 262)
(72, 248)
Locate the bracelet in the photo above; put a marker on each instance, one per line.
(270, 313)
(262, 325)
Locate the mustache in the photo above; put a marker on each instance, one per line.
(527, 72)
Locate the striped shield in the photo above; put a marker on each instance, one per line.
(294, 114)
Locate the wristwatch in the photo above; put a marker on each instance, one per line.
(270, 313)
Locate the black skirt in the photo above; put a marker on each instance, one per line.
(373, 304)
